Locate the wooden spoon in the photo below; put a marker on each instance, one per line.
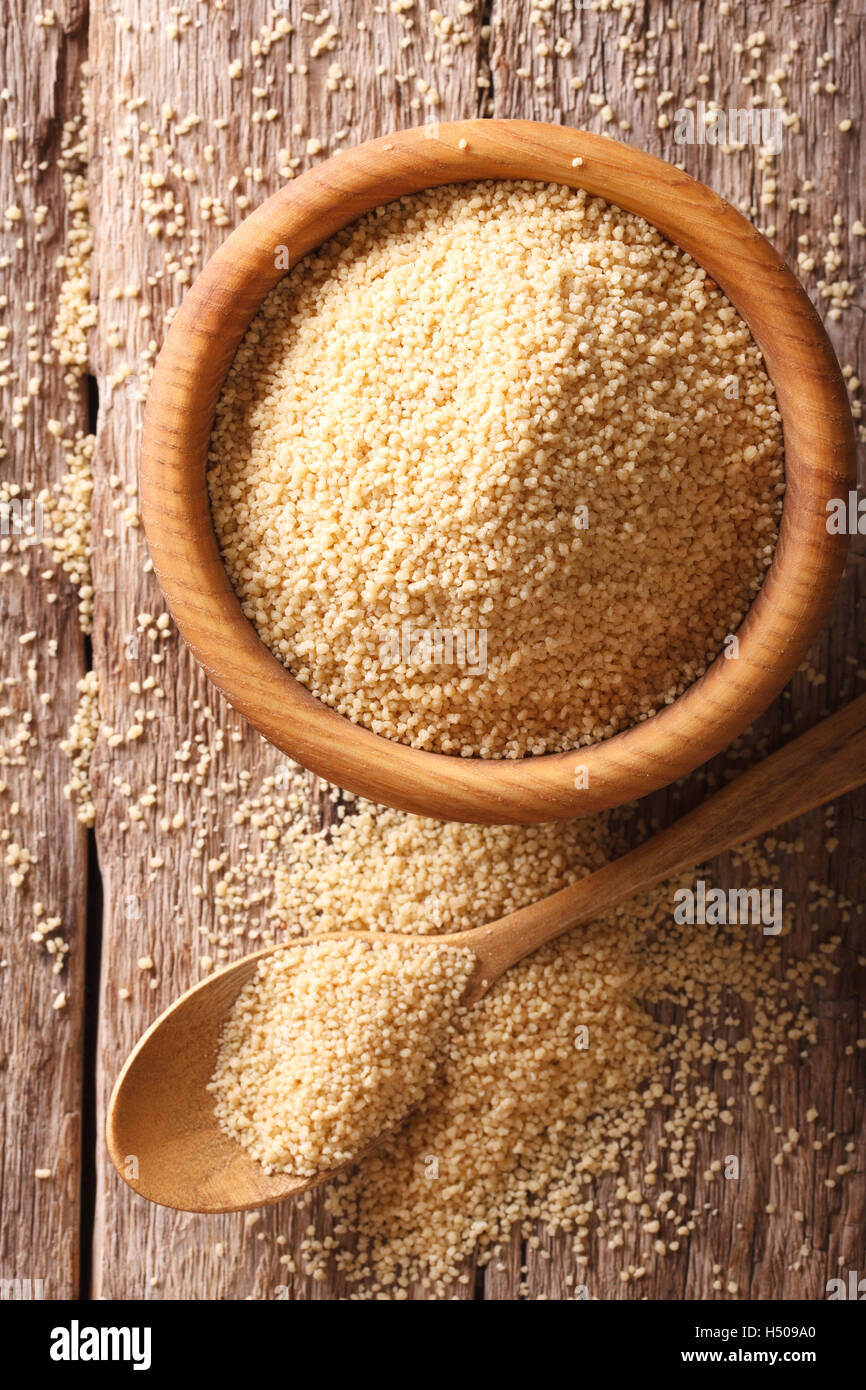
(161, 1131)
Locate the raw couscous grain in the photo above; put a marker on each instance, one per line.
(515, 416)
(331, 1044)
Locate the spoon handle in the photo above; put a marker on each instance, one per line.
(816, 767)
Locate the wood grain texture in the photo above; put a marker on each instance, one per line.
(153, 911)
(40, 1046)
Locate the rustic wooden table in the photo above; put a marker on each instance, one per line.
(181, 145)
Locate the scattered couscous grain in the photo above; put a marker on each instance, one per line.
(606, 1068)
(554, 1083)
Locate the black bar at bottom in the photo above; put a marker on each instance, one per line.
(223, 1340)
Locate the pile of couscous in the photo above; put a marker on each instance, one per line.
(496, 470)
(331, 1044)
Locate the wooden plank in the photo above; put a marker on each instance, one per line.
(153, 912)
(614, 62)
(40, 1044)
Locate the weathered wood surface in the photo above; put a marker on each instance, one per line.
(760, 1255)
(142, 1252)
(40, 1046)
(135, 1242)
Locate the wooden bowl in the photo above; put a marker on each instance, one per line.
(819, 453)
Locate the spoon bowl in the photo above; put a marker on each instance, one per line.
(161, 1131)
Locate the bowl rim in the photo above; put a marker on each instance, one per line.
(782, 620)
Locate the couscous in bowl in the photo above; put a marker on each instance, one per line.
(779, 625)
